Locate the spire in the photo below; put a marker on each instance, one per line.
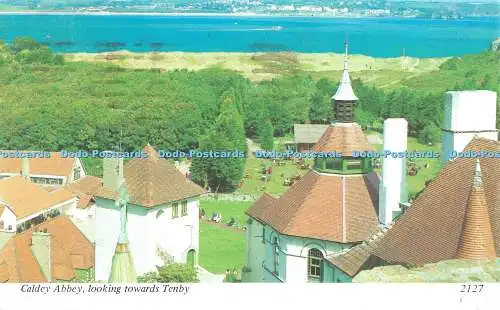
(476, 241)
(346, 47)
(122, 266)
(344, 99)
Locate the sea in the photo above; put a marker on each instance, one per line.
(377, 37)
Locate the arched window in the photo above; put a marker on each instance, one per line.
(314, 262)
(276, 255)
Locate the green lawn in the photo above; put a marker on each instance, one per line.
(227, 209)
(254, 185)
(221, 248)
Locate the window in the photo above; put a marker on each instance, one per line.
(263, 234)
(175, 210)
(354, 164)
(276, 255)
(315, 258)
(334, 164)
(1, 224)
(184, 208)
(76, 174)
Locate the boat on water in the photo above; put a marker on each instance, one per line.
(276, 28)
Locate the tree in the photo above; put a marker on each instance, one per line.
(170, 273)
(430, 134)
(227, 135)
(266, 136)
(24, 43)
(320, 107)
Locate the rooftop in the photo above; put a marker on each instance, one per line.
(153, 181)
(24, 198)
(326, 207)
(449, 208)
(343, 138)
(308, 133)
(70, 251)
(55, 165)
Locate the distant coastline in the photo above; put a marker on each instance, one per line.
(110, 13)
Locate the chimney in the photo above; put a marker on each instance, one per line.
(466, 114)
(393, 186)
(25, 170)
(41, 246)
(112, 172)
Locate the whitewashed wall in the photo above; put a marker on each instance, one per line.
(8, 218)
(146, 233)
(254, 252)
(293, 253)
(178, 235)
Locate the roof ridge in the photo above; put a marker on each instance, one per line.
(344, 208)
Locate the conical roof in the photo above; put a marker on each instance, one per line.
(345, 91)
(477, 240)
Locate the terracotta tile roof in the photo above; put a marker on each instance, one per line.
(4, 272)
(343, 138)
(431, 229)
(84, 188)
(153, 181)
(84, 201)
(54, 165)
(70, 250)
(357, 258)
(86, 185)
(477, 241)
(25, 198)
(326, 207)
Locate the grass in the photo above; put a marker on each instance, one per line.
(227, 209)
(220, 248)
(265, 66)
(254, 185)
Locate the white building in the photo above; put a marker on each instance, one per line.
(162, 214)
(467, 114)
(24, 204)
(331, 209)
(50, 171)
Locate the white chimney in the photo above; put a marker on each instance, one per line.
(393, 186)
(25, 169)
(112, 172)
(466, 114)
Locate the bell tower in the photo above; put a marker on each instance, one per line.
(344, 99)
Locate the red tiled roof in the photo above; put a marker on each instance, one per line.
(357, 258)
(431, 229)
(54, 165)
(84, 188)
(26, 198)
(477, 241)
(18, 264)
(326, 207)
(343, 138)
(153, 181)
